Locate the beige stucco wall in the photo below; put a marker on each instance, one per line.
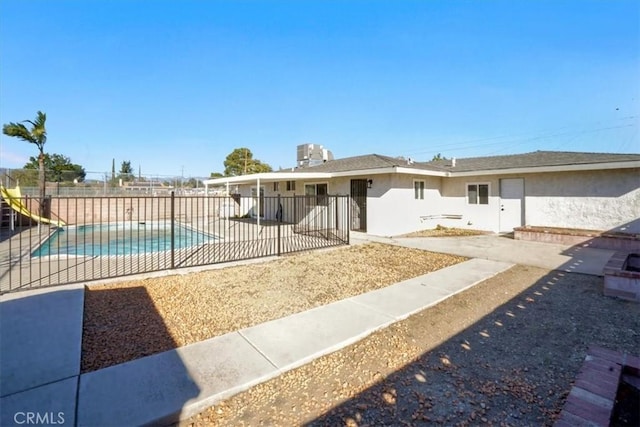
(600, 200)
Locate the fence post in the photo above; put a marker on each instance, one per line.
(348, 219)
(337, 224)
(279, 219)
(173, 221)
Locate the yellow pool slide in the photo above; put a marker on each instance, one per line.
(14, 199)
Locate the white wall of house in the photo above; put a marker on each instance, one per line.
(597, 200)
(393, 208)
(600, 200)
(474, 216)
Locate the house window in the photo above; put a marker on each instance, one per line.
(418, 190)
(478, 194)
(291, 186)
(276, 186)
(318, 190)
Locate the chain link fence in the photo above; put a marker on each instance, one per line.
(71, 183)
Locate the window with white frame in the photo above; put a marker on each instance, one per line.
(276, 186)
(291, 186)
(477, 194)
(418, 190)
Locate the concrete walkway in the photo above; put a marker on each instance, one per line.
(41, 331)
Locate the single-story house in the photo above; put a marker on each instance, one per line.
(392, 196)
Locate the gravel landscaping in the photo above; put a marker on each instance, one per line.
(502, 353)
(441, 231)
(129, 320)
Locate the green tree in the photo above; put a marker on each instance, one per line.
(241, 162)
(216, 175)
(25, 177)
(193, 183)
(58, 168)
(37, 135)
(126, 171)
(439, 157)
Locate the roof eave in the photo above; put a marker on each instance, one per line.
(265, 177)
(558, 168)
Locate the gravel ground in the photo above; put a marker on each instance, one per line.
(129, 320)
(441, 231)
(504, 352)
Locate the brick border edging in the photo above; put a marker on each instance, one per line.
(593, 396)
(589, 239)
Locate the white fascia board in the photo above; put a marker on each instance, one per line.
(361, 172)
(543, 169)
(423, 172)
(266, 177)
(393, 169)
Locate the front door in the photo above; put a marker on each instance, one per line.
(359, 205)
(511, 204)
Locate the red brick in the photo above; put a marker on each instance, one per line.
(607, 391)
(602, 368)
(589, 412)
(598, 377)
(632, 361)
(576, 421)
(605, 353)
(579, 394)
(602, 372)
(602, 365)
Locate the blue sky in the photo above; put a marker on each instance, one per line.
(175, 86)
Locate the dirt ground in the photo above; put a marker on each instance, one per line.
(441, 231)
(129, 320)
(504, 352)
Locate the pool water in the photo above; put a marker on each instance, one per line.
(119, 239)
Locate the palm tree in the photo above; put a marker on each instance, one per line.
(36, 135)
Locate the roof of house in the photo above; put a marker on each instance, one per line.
(511, 161)
(367, 161)
(537, 161)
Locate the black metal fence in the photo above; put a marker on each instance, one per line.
(93, 238)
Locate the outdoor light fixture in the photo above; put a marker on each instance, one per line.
(369, 183)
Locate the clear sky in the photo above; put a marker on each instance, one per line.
(175, 86)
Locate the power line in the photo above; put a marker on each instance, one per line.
(516, 141)
(464, 145)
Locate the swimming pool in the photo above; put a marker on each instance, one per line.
(128, 238)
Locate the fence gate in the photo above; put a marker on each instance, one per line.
(359, 205)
